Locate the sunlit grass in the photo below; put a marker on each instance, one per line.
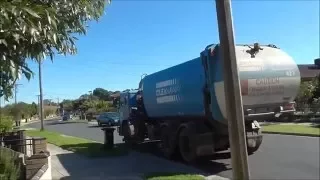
(292, 129)
(77, 145)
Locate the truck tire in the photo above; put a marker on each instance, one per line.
(254, 144)
(128, 140)
(168, 142)
(187, 148)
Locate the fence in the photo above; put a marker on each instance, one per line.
(18, 142)
(33, 150)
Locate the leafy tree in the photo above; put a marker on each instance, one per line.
(100, 101)
(102, 94)
(308, 98)
(33, 109)
(49, 110)
(34, 29)
(84, 96)
(20, 109)
(5, 124)
(305, 93)
(48, 102)
(316, 89)
(67, 105)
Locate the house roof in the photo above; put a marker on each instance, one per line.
(308, 70)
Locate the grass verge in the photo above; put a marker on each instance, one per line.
(78, 145)
(292, 129)
(173, 176)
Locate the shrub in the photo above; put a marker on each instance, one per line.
(9, 166)
(6, 123)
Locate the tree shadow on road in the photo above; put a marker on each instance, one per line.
(65, 122)
(206, 164)
(95, 126)
(315, 125)
(132, 166)
(96, 150)
(144, 161)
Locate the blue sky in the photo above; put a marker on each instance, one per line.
(137, 37)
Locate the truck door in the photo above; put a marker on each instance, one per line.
(124, 107)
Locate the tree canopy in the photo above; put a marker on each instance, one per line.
(309, 93)
(101, 93)
(25, 110)
(99, 101)
(34, 29)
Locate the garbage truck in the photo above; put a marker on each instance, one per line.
(183, 107)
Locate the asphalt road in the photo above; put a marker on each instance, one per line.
(280, 156)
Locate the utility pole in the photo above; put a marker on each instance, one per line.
(59, 108)
(15, 102)
(237, 136)
(15, 92)
(58, 104)
(1, 91)
(38, 96)
(1, 108)
(41, 96)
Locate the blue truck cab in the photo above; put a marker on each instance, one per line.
(127, 105)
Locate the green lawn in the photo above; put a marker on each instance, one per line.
(173, 176)
(77, 145)
(292, 129)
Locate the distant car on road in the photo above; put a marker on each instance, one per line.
(66, 116)
(108, 118)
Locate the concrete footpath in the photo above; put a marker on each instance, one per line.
(68, 165)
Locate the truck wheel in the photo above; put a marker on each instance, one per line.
(128, 140)
(167, 144)
(254, 144)
(186, 145)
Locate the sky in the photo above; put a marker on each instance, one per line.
(137, 37)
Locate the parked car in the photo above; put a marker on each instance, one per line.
(108, 118)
